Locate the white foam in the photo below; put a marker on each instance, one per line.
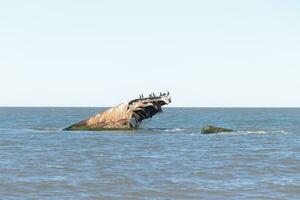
(255, 132)
(174, 130)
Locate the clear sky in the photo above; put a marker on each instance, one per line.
(101, 53)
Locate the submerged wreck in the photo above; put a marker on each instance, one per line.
(126, 116)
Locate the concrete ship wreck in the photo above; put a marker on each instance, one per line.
(126, 116)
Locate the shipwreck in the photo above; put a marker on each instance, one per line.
(126, 116)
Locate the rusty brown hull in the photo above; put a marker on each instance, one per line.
(126, 116)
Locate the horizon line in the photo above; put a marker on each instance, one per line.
(164, 107)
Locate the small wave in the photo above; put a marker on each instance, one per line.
(165, 129)
(267, 132)
(7, 129)
(43, 129)
(20, 130)
(255, 132)
(283, 132)
(174, 130)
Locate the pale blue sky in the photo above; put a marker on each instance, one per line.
(101, 53)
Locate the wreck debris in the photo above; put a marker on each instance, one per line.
(125, 116)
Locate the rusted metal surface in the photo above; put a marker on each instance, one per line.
(125, 116)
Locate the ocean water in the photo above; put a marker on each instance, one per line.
(167, 158)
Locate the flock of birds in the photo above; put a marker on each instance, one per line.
(152, 95)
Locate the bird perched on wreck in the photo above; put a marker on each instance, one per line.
(126, 116)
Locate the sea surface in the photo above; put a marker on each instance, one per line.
(167, 158)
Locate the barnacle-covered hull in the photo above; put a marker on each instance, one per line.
(126, 116)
